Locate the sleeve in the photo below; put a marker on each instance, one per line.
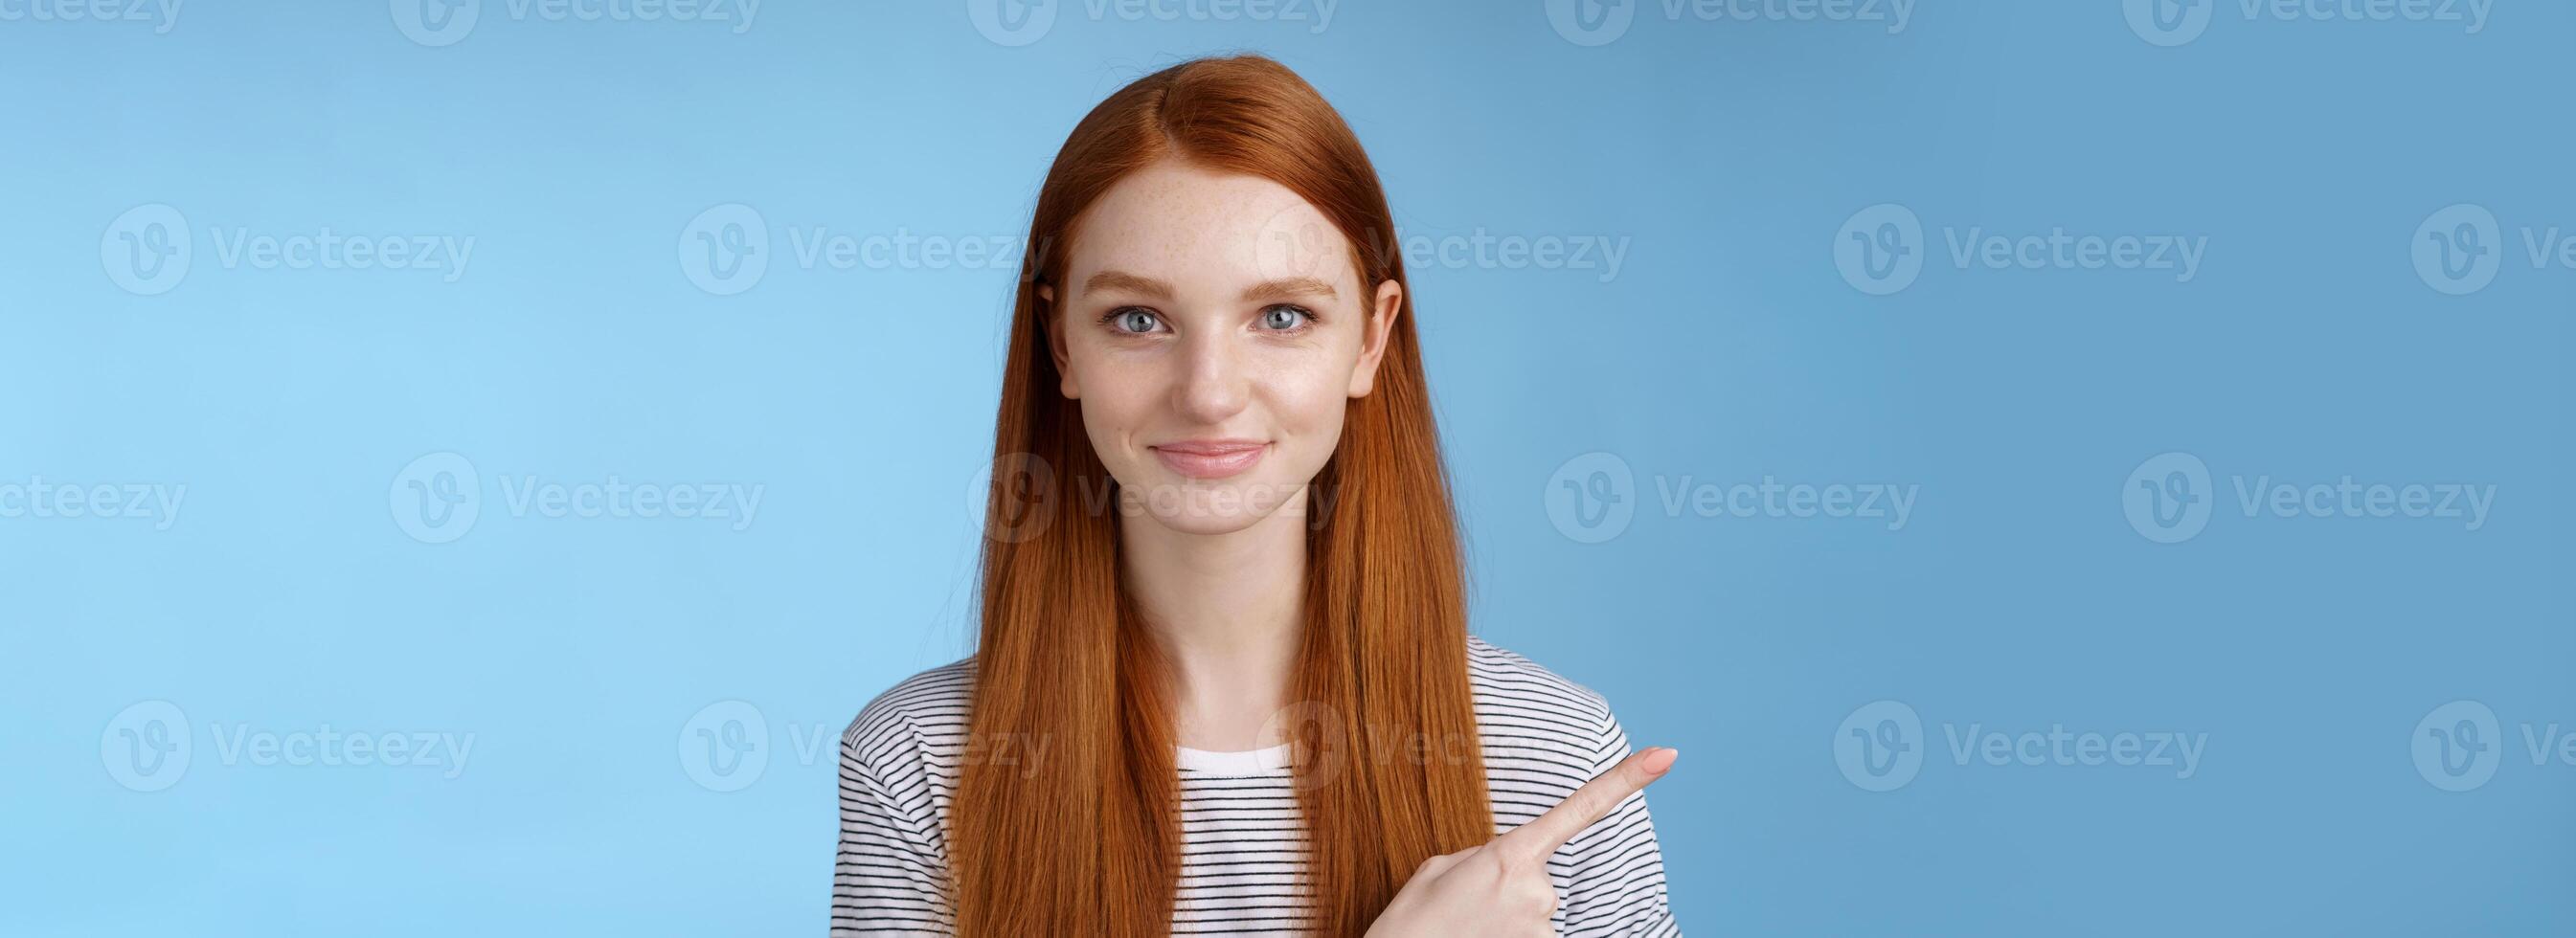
(888, 876)
(1617, 882)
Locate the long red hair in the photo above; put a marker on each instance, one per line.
(1089, 844)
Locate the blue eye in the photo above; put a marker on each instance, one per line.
(1131, 320)
(1285, 318)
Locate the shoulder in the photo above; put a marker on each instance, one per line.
(914, 720)
(1510, 685)
(1544, 734)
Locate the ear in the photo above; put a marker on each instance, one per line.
(1052, 323)
(1389, 303)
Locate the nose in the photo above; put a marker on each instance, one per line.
(1213, 385)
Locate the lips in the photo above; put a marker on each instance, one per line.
(1210, 459)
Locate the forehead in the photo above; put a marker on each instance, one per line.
(1204, 230)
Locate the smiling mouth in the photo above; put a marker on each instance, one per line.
(1210, 459)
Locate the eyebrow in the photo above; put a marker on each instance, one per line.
(1286, 287)
(1157, 289)
(1122, 280)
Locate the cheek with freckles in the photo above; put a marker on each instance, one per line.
(1308, 408)
(1117, 408)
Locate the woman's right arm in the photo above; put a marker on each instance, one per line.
(888, 876)
(1501, 887)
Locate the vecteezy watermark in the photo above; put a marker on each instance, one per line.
(2457, 249)
(241, 743)
(36, 498)
(437, 498)
(726, 746)
(726, 249)
(2455, 745)
(1319, 745)
(614, 497)
(1601, 22)
(325, 249)
(162, 14)
(1772, 498)
(1880, 250)
(2175, 22)
(1018, 496)
(818, 246)
(149, 747)
(2460, 745)
(1295, 241)
(148, 250)
(1014, 23)
(2461, 248)
(2169, 498)
(436, 23)
(1483, 250)
(1592, 497)
(1880, 747)
(146, 747)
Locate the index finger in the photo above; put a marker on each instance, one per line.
(1590, 803)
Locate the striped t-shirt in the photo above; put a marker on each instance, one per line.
(1242, 864)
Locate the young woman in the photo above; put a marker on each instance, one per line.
(1224, 682)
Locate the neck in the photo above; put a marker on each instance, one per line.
(1228, 611)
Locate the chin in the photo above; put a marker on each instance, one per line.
(1211, 506)
(1206, 524)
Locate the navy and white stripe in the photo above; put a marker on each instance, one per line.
(1242, 866)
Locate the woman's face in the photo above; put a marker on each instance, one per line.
(1213, 328)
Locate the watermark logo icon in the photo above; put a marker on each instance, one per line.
(2458, 746)
(436, 498)
(1592, 497)
(725, 747)
(1879, 747)
(1012, 23)
(725, 249)
(2168, 498)
(1295, 241)
(146, 250)
(435, 23)
(2169, 22)
(1591, 22)
(1309, 727)
(1880, 249)
(146, 747)
(2458, 250)
(1028, 506)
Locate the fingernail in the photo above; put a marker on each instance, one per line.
(1672, 755)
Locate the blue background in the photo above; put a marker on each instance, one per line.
(285, 594)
